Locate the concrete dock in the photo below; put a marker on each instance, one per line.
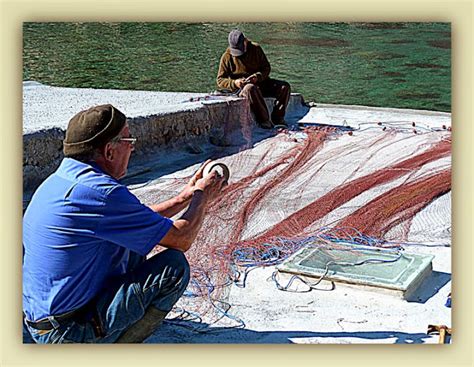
(182, 125)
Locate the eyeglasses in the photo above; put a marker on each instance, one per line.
(130, 140)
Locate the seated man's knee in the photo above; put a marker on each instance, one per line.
(249, 89)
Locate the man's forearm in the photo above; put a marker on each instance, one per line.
(172, 206)
(195, 213)
(226, 83)
(224, 80)
(186, 228)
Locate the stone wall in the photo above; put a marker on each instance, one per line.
(42, 153)
(42, 150)
(171, 128)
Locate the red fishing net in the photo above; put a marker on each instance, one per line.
(282, 194)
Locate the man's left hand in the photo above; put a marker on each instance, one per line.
(252, 79)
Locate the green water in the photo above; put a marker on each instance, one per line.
(406, 65)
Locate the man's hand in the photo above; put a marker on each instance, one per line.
(190, 187)
(211, 185)
(239, 83)
(252, 79)
(174, 205)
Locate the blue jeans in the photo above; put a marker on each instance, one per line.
(159, 282)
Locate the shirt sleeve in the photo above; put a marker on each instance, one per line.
(127, 222)
(224, 80)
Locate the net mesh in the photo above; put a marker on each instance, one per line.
(295, 188)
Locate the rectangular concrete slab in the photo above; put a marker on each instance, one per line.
(395, 271)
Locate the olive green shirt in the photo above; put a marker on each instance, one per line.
(252, 62)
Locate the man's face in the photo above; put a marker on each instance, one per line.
(122, 151)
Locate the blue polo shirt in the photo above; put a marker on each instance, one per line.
(78, 231)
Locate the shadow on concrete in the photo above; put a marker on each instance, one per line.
(167, 161)
(430, 286)
(183, 333)
(152, 166)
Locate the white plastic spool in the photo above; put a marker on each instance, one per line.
(220, 168)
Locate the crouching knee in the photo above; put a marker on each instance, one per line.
(177, 260)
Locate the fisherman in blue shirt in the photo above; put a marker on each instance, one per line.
(86, 278)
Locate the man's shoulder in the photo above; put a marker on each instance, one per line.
(87, 176)
(99, 182)
(255, 45)
(254, 48)
(226, 54)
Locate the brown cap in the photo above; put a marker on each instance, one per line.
(92, 128)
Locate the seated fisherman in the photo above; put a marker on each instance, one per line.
(244, 69)
(86, 278)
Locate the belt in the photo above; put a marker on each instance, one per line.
(49, 322)
(53, 322)
(85, 314)
(88, 313)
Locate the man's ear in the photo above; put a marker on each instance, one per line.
(108, 151)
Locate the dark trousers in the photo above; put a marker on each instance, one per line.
(255, 93)
(159, 282)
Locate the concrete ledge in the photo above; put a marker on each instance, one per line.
(403, 111)
(157, 119)
(42, 150)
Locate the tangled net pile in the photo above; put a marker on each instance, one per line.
(276, 206)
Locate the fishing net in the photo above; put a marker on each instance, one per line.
(315, 187)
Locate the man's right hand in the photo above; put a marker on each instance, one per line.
(211, 185)
(240, 83)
